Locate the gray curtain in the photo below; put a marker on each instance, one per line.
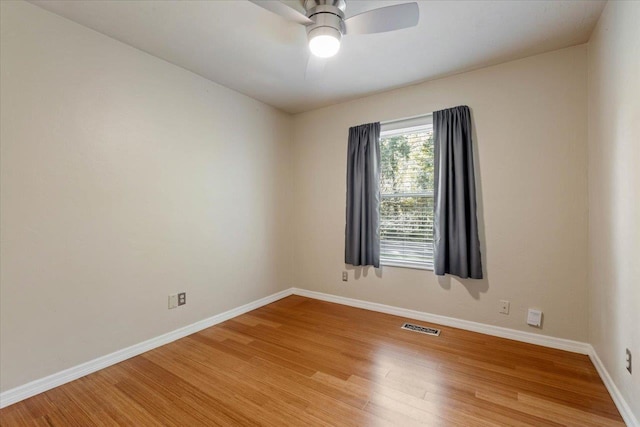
(456, 242)
(362, 239)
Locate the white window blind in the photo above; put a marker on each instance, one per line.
(406, 187)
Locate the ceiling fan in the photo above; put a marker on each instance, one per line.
(326, 23)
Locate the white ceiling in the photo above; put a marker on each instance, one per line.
(246, 48)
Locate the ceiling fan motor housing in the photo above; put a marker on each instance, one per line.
(327, 17)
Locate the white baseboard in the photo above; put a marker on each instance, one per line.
(25, 391)
(528, 337)
(498, 331)
(618, 399)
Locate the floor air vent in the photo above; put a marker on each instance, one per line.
(421, 329)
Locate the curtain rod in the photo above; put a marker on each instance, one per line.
(388, 122)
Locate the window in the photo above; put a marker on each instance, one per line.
(406, 193)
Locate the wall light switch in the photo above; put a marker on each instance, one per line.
(345, 276)
(534, 318)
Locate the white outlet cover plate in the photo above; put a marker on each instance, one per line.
(504, 306)
(534, 317)
(173, 301)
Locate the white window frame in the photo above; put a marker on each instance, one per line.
(398, 127)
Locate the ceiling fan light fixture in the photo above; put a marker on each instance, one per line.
(324, 42)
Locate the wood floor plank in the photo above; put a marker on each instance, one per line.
(306, 362)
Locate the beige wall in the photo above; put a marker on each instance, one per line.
(614, 193)
(530, 122)
(120, 184)
(124, 179)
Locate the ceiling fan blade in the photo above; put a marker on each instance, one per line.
(283, 10)
(315, 68)
(384, 19)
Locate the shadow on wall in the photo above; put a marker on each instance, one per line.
(475, 287)
(363, 271)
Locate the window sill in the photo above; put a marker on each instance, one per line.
(406, 265)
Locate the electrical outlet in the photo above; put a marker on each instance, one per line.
(504, 307)
(345, 276)
(182, 298)
(629, 361)
(173, 301)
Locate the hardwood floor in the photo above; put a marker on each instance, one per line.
(304, 362)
